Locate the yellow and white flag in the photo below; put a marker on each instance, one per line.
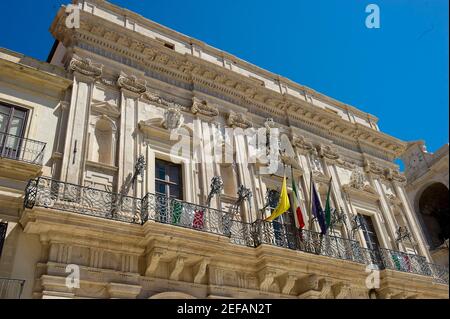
(283, 203)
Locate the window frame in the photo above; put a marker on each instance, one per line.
(167, 183)
(13, 107)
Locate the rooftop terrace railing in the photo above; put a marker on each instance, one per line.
(48, 193)
(21, 149)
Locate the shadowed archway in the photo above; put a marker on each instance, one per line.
(434, 211)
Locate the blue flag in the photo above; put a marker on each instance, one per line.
(318, 211)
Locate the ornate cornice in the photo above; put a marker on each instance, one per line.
(191, 69)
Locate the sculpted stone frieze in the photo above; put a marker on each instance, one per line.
(86, 67)
(202, 107)
(238, 120)
(131, 83)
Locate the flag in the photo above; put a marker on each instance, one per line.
(317, 210)
(328, 207)
(283, 203)
(299, 220)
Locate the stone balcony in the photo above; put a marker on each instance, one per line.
(154, 244)
(20, 158)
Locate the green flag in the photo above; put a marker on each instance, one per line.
(328, 207)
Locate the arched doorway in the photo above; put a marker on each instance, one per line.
(434, 211)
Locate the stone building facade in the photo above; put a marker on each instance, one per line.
(427, 189)
(91, 184)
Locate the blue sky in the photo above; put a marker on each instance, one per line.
(398, 72)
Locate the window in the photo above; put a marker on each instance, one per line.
(370, 235)
(168, 179)
(12, 127)
(369, 232)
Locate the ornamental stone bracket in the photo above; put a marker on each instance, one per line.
(202, 107)
(85, 66)
(199, 270)
(313, 287)
(177, 267)
(238, 120)
(131, 84)
(153, 261)
(301, 143)
(266, 277)
(341, 290)
(287, 282)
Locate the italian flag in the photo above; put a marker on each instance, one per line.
(299, 220)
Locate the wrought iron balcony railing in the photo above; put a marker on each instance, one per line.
(11, 288)
(45, 192)
(21, 149)
(288, 236)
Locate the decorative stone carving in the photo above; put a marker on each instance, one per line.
(153, 97)
(300, 142)
(357, 179)
(238, 120)
(202, 107)
(131, 83)
(269, 124)
(85, 66)
(328, 152)
(374, 168)
(266, 279)
(177, 268)
(173, 118)
(200, 270)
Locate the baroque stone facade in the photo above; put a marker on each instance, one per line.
(114, 91)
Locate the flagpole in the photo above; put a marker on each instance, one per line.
(310, 201)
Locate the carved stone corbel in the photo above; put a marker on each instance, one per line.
(200, 270)
(288, 283)
(153, 260)
(266, 279)
(202, 107)
(238, 120)
(300, 142)
(328, 152)
(85, 66)
(341, 290)
(177, 268)
(131, 83)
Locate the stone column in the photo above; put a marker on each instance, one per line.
(85, 73)
(131, 90)
(412, 221)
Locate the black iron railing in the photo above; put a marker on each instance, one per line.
(45, 192)
(11, 288)
(21, 149)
